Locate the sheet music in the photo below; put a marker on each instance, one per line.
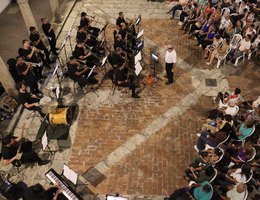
(70, 174)
(138, 68)
(55, 70)
(44, 141)
(140, 34)
(116, 198)
(57, 91)
(138, 57)
(91, 71)
(104, 61)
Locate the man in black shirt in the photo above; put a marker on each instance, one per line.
(30, 102)
(121, 80)
(13, 70)
(120, 19)
(25, 71)
(85, 22)
(123, 31)
(9, 152)
(116, 58)
(119, 42)
(36, 39)
(83, 55)
(28, 53)
(79, 75)
(48, 31)
(83, 36)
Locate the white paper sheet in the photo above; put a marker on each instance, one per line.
(44, 141)
(138, 68)
(70, 174)
(138, 57)
(140, 34)
(116, 198)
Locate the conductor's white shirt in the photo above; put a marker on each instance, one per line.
(170, 57)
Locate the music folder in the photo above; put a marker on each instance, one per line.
(138, 57)
(44, 141)
(138, 68)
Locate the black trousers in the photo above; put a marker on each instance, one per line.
(32, 83)
(174, 9)
(29, 156)
(38, 109)
(169, 72)
(52, 42)
(131, 86)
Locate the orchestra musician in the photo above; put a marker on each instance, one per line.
(82, 35)
(119, 42)
(29, 101)
(123, 31)
(83, 55)
(28, 53)
(80, 75)
(25, 70)
(117, 58)
(122, 80)
(85, 22)
(49, 32)
(36, 39)
(121, 19)
(10, 146)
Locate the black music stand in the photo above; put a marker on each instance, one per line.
(58, 90)
(155, 60)
(45, 146)
(91, 87)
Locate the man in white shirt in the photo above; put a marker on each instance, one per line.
(235, 193)
(170, 62)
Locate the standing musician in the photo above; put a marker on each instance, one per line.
(85, 22)
(48, 31)
(30, 102)
(121, 19)
(121, 80)
(170, 62)
(36, 39)
(82, 35)
(80, 75)
(25, 70)
(10, 146)
(28, 53)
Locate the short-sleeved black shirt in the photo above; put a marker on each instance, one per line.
(78, 52)
(116, 59)
(29, 77)
(9, 152)
(25, 52)
(84, 22)
(122, 33)
(26, 98)
(120, 20)
(35, 38)
(45, 28)
(72, 69)
(120, 43)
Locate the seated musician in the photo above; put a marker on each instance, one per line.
(38, 192)
(83, 36)
(25, 70)
(80, 76)
(122, 81)
(28, 53)
(119, 42)
(123, 31)
(120, 19)
(83, 55)
(10, 147)
(116, 58)
(30, 102)
(85, 22)
(36, 39)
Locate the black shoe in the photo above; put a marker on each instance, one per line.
(57, 48)
(168, 83)
(135, 96)
(44, 162)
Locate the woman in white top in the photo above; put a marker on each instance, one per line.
(239, 175)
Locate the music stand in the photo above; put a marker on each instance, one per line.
(89, 74)
(155, 59)
(111, 197)
(58, 89)
(103, 61)
(138, 68)
(138, 20)
(140, 34)
(140, 45)
(45, 145)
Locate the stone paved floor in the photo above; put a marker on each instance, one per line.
(143, 146)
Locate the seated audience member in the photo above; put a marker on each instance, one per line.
(122, 80)
(236, 192)
(200, 174)
(225, 23)
(191, 19)
(226, 100)
(207, 157)
(240, 154)
(208, 40)
(10, 155)
(217, 41)
(204, 31)
(242, 49)
(30, 102)
(244, 130)
(80, 75)
(201, 19)
(221, 51)
(179, 6)
(250, 31)
(254, 46)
